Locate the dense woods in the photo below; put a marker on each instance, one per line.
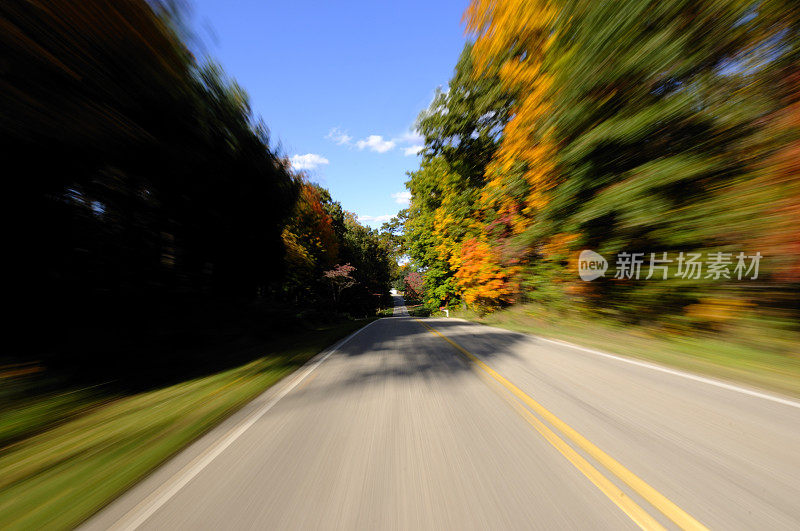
(620, 127)
(623, 175)
(150, 212)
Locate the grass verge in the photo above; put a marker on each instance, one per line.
(758, 356)
(61, 476)
(418, 310)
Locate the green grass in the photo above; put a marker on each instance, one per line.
(418, 310)
(757, 354)
(60, 476)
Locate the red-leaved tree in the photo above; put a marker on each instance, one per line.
(414, 286)
(340, 279)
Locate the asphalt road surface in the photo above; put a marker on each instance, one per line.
(444, 424)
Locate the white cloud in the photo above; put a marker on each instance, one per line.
(376, 220)
(411, 141)
(411, 137)
(309, 161)
(402, 198)
(338, 136)
(376, 143)
(412, 150)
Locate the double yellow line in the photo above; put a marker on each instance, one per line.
(519, 400)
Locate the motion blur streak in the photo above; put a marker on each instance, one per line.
(658, 500)
(397, 432)
(168, 261)
(147, 507)
(625, 126)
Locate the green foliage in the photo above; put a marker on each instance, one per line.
(631, 126)
(364, 249)
(463, 124)
(145, 190)
(657, 122)
(320, 238)
(392, 239)
(461, 129)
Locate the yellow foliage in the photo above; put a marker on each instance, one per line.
(511, 40)
(717, 310)
(297, 256)
(513, 36)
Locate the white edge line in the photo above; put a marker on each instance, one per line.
(655, 367)
(684, 374)
(145, 509)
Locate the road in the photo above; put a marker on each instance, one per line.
(444, 424)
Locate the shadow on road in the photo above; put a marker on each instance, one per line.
(401, 348)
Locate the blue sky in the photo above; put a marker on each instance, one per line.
(339, 83)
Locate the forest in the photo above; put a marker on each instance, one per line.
(152, 213)
(619, 175)
(666, 131)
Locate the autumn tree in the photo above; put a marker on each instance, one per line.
(340, 278)
(461, 130)
(628, 125)
(311, 242)
(414, 286)
(150, 206)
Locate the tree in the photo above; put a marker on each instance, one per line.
(311, 241)
(461, 129)
(148, 200)
(619, 126)
(414, 286)
(363, 247)
(340, 279)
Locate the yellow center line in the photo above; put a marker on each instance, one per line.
(655, 498)
(636, 513)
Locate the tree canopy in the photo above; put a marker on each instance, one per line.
(147, 198)
(628, 126)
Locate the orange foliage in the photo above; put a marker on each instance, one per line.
(512, 37)
(484, 282)
(783, 173)
(558, 246)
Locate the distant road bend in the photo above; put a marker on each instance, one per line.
(445, 424)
